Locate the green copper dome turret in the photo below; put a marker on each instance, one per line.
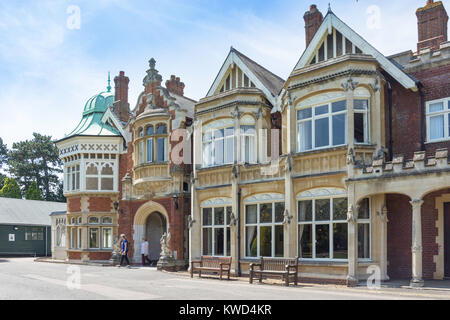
(91, 123)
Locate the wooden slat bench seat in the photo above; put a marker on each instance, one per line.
(286, 269)
(208, 263)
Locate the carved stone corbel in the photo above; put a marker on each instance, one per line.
(351, 214)
(376, 86)
(351, 157)
(287, 218)
(236, 114)
(258, 113)
(349, 84)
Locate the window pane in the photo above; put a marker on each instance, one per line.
(279, 241)
(265, 241)
(207, 154)
(321, 132)
(250, 214)
(322, 241)
(305, 241)
(363, 240)
(93, 238)
(339, 129)
(229, 150)
(322, 209)
(436, 107)
(279, 212)
(251, 242)
(304, 114)
(364, 209)
(321, 110)
(218, 216)
(107, 238)
(340, 209)
(229, 210)
(161, 129)
(150, 130)
(265, 213)
(339, 106)
(305, 210)
(161, 149)
(207, 216)
(305, 135)
(228, 242)
(218, 241)
(107, 183)
(207, 241)
(340, 242)
(150, 150)
(92, 183)
(207, 136)
(359, 127)
(218, 152)
(361, 104)
(437, 127)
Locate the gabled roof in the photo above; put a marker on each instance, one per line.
(263, 79)
(28, 212)
(332, 21)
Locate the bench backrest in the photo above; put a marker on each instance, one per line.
(277, 264)
(214, 262)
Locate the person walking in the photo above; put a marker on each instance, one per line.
(124, 251)
(144, 252)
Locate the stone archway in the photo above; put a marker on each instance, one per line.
(154, 229)
(140, 224)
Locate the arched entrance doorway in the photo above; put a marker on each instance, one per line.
(150, 216)
(154, 229)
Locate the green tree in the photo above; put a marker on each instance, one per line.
(3, 153)
(33, 192)
(36, 160)
(11, 189)
(2, 180)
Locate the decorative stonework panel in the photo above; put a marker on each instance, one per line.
(322, 192)
(264, 197)
(214, 202)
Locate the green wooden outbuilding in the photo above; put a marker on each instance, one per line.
(25, 226)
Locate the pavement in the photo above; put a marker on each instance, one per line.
(24, 278)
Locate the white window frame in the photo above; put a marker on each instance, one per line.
(98, 238)
(444, 112)
(103, 238)
(313, 224)
(315, 117)
(366, 114)
(79, 238)
(213, 227)
(226, 137)
(259, 224)
(252, 143)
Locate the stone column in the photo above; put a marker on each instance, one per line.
(352, 213)
(383, 242)
(416, 249)
(350, 114)
(234, 243)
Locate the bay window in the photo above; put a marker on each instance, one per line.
(438, 120)
(216, 237)
(322, 228)
(161, 143)
(322, 126)
(264, 230)
(73, 177)
(218, 147)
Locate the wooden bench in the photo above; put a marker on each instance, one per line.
(287, 269)
(215, 264)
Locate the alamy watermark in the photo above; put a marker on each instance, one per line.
(74, 279)
(74, 17)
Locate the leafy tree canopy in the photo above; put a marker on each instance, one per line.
(11, 189)
(36, 160)
(3, 153)
(33, 192)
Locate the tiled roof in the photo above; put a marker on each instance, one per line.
(28, 212)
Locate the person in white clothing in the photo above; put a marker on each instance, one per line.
(144, 251)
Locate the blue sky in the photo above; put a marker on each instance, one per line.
(48, 71)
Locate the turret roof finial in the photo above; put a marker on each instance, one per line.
(108, 88)
(329, 8)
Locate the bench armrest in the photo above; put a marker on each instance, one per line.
(253, 265)
(196, 261)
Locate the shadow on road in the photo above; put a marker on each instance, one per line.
(3, 260)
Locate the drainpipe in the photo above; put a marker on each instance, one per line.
(239, 233)
(422, 116)
(391, 151)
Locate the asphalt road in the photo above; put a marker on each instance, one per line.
(23, 278)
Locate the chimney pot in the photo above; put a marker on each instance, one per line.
(313, 19)
(432, 21)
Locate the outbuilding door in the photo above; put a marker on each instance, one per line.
(447, 240)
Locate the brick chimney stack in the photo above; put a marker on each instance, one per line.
(432, 23)
(175, 86)
(121, 105)
(313, 20)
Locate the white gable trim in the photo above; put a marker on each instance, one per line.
(109, 116)
(234, 58)
(331, 21)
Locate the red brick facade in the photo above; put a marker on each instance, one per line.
(74, 205)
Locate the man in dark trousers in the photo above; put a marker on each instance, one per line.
(124, 251)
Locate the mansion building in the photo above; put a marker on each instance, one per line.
(344, 164)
